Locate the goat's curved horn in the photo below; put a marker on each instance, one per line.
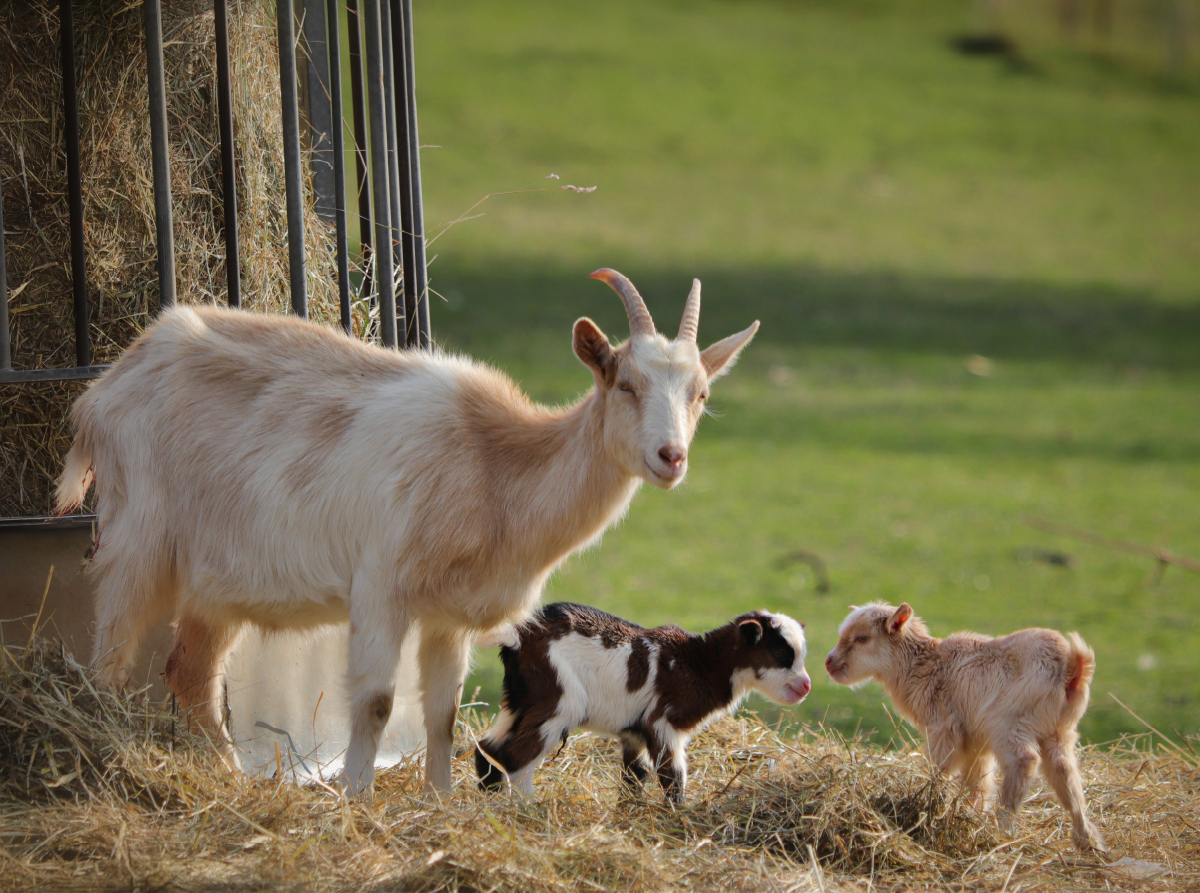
(689, 326)
(640, 322)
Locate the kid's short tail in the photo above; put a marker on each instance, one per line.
(1081, 665)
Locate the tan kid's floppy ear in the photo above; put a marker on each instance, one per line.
(751, 631)
(718, 358)
(899, 618)
(592, 347)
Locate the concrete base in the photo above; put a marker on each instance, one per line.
(284, 690)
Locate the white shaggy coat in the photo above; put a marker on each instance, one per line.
(271, 471)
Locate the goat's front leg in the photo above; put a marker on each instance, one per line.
(945, 749)
(374, 654)
(979, 778)
(444, 657)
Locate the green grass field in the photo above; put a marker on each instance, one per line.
(889, 209)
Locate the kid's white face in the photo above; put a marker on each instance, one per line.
(861, 651)
(791, 684)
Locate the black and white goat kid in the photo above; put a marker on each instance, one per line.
(570, 665)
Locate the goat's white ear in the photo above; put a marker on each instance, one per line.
(718, 358)
(899, 618)
(592, 347)
(751, 631)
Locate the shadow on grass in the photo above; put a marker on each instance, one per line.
(890, 315)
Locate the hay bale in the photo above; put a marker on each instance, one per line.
(103, 792)
(62, 739)
(118, 199)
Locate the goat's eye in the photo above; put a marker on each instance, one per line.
(626, 387)
(863, 639)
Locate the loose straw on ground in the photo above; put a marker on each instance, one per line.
(98, 792)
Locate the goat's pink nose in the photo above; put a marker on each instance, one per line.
(829, 658)
(805, 687)
(673, 455)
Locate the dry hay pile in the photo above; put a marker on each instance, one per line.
(102, 792)
(119, 234)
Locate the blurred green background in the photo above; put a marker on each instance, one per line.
(978, 277)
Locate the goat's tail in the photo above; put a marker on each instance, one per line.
(77, 476)
(1081, 665)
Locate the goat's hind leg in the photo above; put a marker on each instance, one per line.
(133, 587)
(494, 757)
(1061, 768)
(195, 675)
(489, 767)
(1019, 762)
(518, 743)
(130, 595)
(541, 740)
(635, 766)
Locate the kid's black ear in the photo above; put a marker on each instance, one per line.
(751, 631)
(899, 618)
(592, 347)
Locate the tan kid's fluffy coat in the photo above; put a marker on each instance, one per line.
(1015, 700)
(270, 471)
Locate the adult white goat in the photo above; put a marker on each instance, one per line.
(254, 469)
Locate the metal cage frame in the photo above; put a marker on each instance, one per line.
(388, 178)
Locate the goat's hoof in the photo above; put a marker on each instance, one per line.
(351, 788)
(230, 758)
(1091, 842)
(430, 789)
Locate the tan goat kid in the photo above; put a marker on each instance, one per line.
(1016, 699)
(269, 471)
